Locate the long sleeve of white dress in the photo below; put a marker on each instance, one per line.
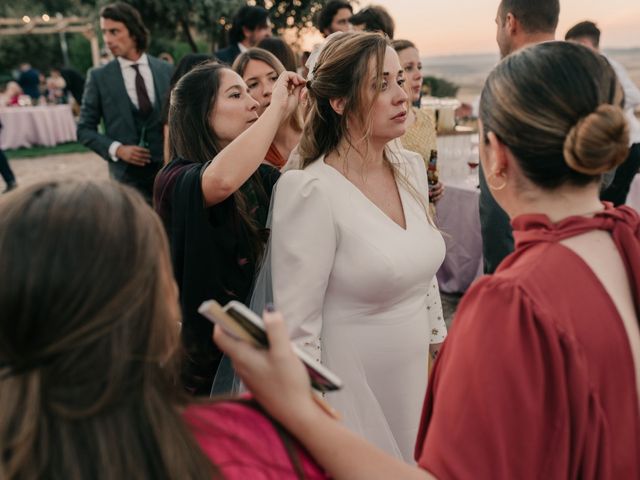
(303, 245)
(435, 314)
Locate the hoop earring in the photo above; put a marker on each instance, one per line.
(493, 187)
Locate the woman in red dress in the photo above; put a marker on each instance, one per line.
(539, 375)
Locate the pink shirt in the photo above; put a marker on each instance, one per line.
(244, 444)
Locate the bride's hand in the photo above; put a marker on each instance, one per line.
(276, 377)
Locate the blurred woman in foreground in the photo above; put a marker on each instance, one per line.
(539, 376)
(88, 341)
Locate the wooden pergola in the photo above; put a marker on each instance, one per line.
(46, 25)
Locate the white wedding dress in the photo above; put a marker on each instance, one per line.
(359, 293)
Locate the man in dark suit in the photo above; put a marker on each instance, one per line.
(127, 94)
(250, 25)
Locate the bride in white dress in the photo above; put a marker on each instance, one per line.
(353, 252)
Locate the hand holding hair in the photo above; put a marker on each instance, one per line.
(287, 92)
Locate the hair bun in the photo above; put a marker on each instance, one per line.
(599, 142)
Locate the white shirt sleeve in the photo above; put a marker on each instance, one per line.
(113, 148)
(303, 245)
(631, 90)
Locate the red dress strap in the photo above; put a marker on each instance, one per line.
(623, 223)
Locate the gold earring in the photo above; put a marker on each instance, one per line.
(493, 187)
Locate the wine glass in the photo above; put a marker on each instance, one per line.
(473, 160)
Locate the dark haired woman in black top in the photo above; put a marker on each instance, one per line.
(214, 196)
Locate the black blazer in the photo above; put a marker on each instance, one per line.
(105, 99)
(228, 54)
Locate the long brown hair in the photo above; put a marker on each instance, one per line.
(341, 71)
(86, 339)
(192, 138)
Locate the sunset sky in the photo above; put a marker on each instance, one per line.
(467, 26)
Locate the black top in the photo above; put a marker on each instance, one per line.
(211, 254)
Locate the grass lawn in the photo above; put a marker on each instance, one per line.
(71, 147)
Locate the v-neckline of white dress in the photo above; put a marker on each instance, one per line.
(370, 202)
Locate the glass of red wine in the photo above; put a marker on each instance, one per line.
(473, 160)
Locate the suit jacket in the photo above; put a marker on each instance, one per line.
(105, 99)
(228, 54)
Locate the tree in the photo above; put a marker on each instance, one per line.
(440, 87)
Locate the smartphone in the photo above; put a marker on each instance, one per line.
(242, 323)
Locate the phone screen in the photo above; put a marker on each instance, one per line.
(255, 331)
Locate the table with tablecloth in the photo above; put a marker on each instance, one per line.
(36, 126)
(457, 213)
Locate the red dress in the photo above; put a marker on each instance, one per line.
(536, 379)
(243, 444)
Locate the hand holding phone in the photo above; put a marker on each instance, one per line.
(242, 323)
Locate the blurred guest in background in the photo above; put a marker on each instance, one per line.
(11, 95)
(167, 57)
(334, 17)
(29, 80)
(420, 136)
(260, 71)
(518, 23)
(588, 34)
(6, 172)
(250, 25)
(126, 95)
(55, 93)
(282, 51)
(373, 18)
(74, 82)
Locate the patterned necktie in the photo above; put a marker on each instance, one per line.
(144, 104)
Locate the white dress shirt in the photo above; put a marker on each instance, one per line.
(631, 100)
(129, 77)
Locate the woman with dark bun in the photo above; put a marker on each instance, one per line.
(540, 373)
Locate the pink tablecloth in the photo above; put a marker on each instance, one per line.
(458, 219)
(29, 126)
(457, 215)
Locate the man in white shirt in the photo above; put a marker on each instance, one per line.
(127, 95)
(588, 34)
(519, 23)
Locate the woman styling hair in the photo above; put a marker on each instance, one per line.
(214, 196)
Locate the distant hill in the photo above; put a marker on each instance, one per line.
(470, 71)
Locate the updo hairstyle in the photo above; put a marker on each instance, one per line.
(556, 106)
